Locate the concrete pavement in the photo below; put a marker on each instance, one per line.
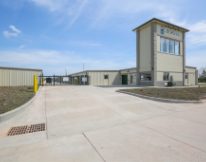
(87, 123)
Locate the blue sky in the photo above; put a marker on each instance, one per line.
(55, 35)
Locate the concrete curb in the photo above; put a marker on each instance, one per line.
(16, 111)
(160, 99)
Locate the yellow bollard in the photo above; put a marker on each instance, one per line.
(43, 80)
(35, 83)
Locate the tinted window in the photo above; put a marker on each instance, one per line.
(177, 47)
(162, 44)
(167, 45)
(172, 46)
(165, 76)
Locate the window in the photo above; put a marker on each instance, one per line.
(106, 77)
(165, 76)
(172, 46)
(169, 46)
(162, 44)
(145, 76)
(186, 76)
(162, 30)
(177, 47)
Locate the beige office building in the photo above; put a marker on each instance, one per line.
(161, 55)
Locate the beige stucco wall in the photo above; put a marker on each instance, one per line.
(18, 77)
(176, 76)
(97, 78)
(191, 75)
(191, 78)
(181, 48)
(190, 70)
(145, 48)
(169, 62)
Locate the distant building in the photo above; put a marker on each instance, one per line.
(161, 54)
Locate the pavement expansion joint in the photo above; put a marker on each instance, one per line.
(26, 129)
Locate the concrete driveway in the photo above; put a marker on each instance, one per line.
(86, 123)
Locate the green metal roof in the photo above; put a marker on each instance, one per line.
(155, 19)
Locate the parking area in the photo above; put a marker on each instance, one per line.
(88, 123)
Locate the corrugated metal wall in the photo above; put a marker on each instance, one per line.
(97, 78)
(18, 77)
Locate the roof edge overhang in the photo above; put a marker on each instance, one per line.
(128, 69)
(191, 67)
(17, 68)
(161, 21)
(85, 71)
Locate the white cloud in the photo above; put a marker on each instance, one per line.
(199, 27)
(22, 46)
(197, 34)
(14, 29)
(111, 11)
(71, 9)
(8, 34)
(104, 12)
(78, 12)
(49, 60)
(52, 5)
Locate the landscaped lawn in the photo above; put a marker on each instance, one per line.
(13, 97)
(172, 93)
(202, 84)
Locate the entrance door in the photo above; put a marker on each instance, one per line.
(106, 80)
(124, 79)
(186, 79)
(131, 79)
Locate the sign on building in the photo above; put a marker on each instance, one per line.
(65, 79)
(84, 79)
(169, 32)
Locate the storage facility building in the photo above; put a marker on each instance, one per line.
(160, 58)
(10, 76)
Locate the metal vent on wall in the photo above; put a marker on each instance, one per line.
(26, 129)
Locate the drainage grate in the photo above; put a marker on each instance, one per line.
(37, 128)
(17, 130)
(26, 129)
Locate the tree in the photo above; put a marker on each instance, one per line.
(202, 75)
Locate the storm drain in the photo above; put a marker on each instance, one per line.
(26, 129)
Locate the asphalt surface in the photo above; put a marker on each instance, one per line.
(87, 123)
